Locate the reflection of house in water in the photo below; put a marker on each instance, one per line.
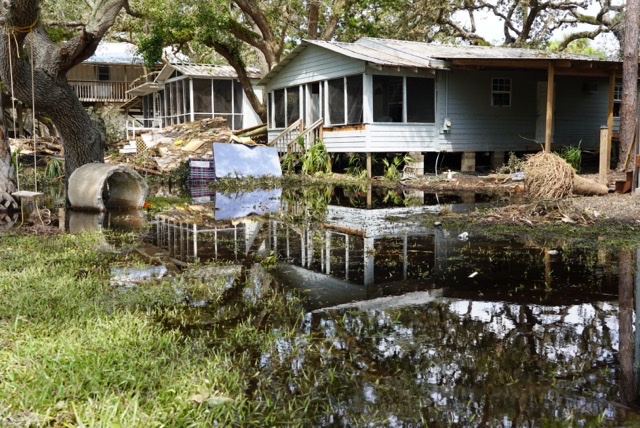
(230, 234)
(359, 245)
(354, 245)
(357, 253)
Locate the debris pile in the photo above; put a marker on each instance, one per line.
(163, 150)
(48, 146)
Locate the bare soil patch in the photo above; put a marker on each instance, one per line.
(618, 207)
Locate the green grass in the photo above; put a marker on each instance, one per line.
(77, 351)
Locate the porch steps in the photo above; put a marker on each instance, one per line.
(624, 186)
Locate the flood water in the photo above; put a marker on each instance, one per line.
(420, 324)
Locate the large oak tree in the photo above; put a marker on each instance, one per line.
(32, 63)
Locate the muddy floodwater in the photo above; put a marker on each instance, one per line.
(414, 322)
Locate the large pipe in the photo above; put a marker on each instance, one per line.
(98, 186)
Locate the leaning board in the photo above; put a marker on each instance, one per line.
(238, 161)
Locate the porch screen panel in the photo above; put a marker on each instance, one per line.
(293, 104)
(179, 101)
(159, 106)
(223, 100)
(171, 103)
(278, 101)
(238, 100)
(187, 100)
(202, 105)
(316, 105)
(387, 99)
(336, 101)
(354, 99)
(420, 100)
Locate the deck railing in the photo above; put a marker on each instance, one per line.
(135, 126)
(309, 136)
(99, 91)
(283, 140)
(289, 139)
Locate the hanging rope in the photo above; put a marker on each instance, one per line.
(33, 117)
(11, 31)
(13, 104)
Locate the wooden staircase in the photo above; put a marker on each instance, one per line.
(296, 138)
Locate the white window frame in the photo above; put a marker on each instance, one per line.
(500, 81)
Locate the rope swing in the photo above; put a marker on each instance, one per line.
(11, 31)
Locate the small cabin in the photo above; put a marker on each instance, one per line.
(393, 96)
(105, 77)
(184, 93)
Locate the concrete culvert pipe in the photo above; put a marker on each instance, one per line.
(98, 186)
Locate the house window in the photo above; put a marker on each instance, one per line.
(617, 97)
(285, 107)
(354, 99)
(316, 105)
(278, 112)
(387, 98)
(202, 104)
(391, 93)
(501, 92)
(336, 101)
(293, 104)
(103, 73)
(238, 101)
(420, 100)
(345, 100)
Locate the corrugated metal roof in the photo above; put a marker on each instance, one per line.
(449, 52)
(376, 56)
(408, 54)
(205, 70)
(115, 53)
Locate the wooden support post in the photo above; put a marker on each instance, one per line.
(604, 145)
(548, 132)
(612, 89)
(369, 166)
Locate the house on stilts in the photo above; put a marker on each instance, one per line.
(471, 103)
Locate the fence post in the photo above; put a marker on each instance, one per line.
(604, 154)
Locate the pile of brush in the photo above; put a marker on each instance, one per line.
(548, 176)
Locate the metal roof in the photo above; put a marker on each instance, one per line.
(408, 54)
(205, 70)
(115, 53)
(450, 52)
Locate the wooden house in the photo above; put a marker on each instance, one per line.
(188, 92)
(105, 77)
(392, 96)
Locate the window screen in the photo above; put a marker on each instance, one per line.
(336, 101)
(354, 99)
(420, 100)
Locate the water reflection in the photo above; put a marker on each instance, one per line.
(117, 220)
(407, 325)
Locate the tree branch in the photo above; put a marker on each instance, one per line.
(580, 35)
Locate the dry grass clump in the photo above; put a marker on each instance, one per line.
(548, 176)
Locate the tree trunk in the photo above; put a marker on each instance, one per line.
(629, 82)
(33, 69)
(7, 177)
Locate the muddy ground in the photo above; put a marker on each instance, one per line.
(619, 207)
